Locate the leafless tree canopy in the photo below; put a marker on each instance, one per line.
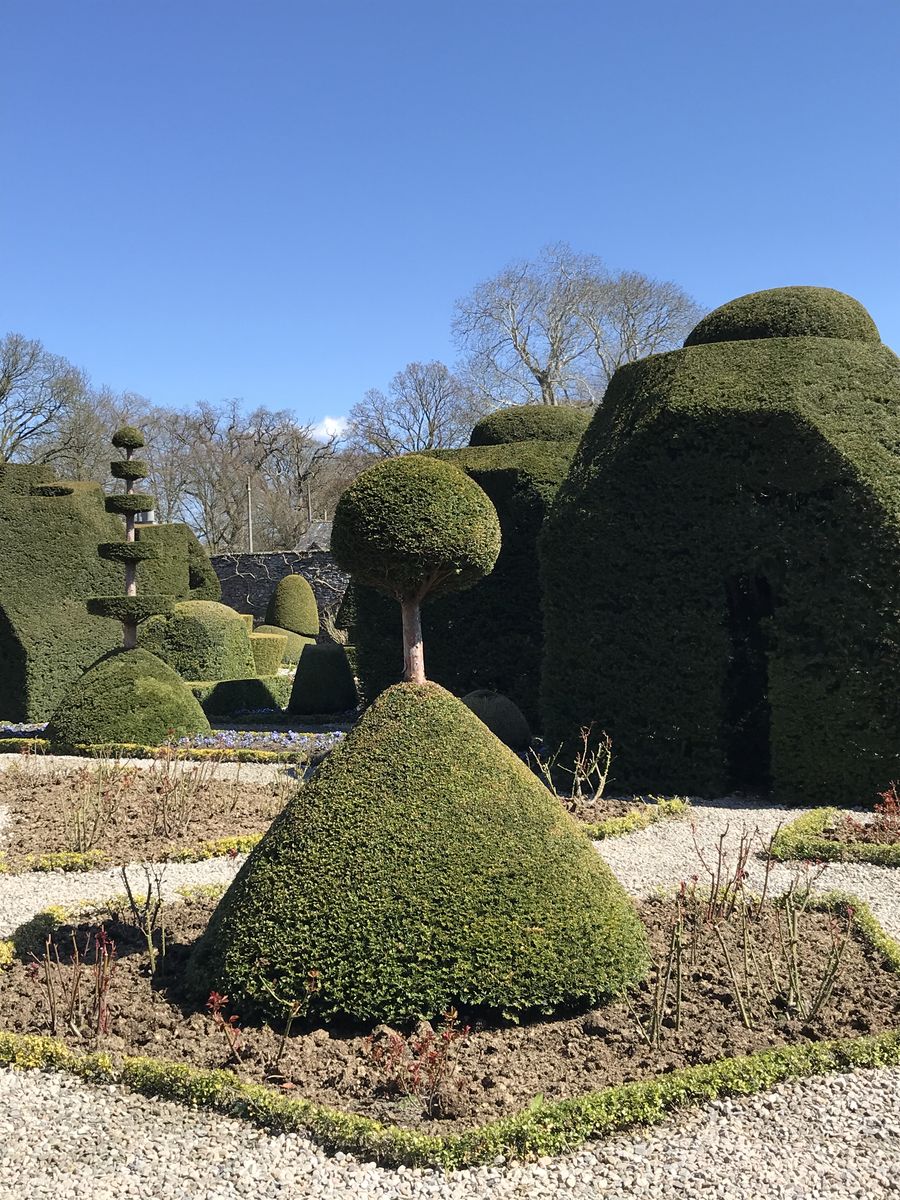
(36, 389)
(553, 330)
(426, 408)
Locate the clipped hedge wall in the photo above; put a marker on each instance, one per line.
(182, 567)
(491, 635)
(226, 696)
(201, 640)
(732, 515)
(427, 813)
(295, 642)
(268, 651)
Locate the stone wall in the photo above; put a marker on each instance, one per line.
(248, 579)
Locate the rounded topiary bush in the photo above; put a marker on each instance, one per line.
(415, 526)
(468, 883)
(295, 643)
(532, 423)
(201, 640)
(323, 682)
(127, 696)
(786, 312)
(503, 718)
(292, 606)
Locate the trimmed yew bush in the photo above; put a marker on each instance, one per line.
(503, 718)
(323, 682)
(202, 640)
(532, 423)
(293, 606)
(422, 866)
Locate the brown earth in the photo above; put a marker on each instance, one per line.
(131, 813)
(495, 1068)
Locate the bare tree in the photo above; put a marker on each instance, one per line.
(553, 329)
(427, 408)
(36, 388)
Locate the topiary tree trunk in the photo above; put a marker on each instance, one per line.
(413, 647)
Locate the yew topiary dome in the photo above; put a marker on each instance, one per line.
(532, 422)
(292, 606)
(423, 865)
(733, 515)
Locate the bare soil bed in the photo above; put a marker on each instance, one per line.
(464, 1070)
(119, 813)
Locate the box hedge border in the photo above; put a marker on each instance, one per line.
(802, 838)
(40, 746)
(543, 1128)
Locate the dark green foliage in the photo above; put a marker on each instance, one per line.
(422, 866)
(292, 606)
(48, 567)
(503, 718)
(227, 696)
(532, 423)
(128, 696)
(722, 574)
(490, 636)
(786, 312)
(323, 682)
(53, 489)
(137, 502)
(128, 438)
(415, 527)
(201, 640)
(125, 552)
(183, 568)
(295, 642)
(135, 468)
(130, 608)
(268, 651)
(20, 478)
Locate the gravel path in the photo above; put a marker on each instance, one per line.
(820, 1139)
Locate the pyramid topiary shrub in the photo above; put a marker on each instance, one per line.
(323, 682)
(292, 606)
(460, 629)
(128, 695)
(732, 514)
(503, 718)
(422, 866)
(202, 640)
(415, 528)
(530, 423)
(295, 643)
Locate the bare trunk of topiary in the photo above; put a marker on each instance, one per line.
(413, 650)
(129, 628)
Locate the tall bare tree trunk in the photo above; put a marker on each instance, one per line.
(413, 650)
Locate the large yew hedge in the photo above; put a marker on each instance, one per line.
(722, 565)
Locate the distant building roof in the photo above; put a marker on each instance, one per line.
(317, 537)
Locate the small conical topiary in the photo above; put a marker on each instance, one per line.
(422, 866)
(293, 606)
(323, 682)
(129, 695)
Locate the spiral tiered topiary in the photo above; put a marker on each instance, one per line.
(130, 608)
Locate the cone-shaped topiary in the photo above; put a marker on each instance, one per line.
(127, 696)
(415, 528)
(292, 606)
(324, 682)
(503, 718)
(422, 866)
(532, 423)
(295, 642)
(201, 640)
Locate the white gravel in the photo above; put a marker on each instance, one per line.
(821, 1139)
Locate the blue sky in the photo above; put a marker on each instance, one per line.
(280, 201)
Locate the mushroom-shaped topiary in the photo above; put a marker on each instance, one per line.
(292, 606)
(415, 528)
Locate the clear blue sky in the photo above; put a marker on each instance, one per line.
(280, 200)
